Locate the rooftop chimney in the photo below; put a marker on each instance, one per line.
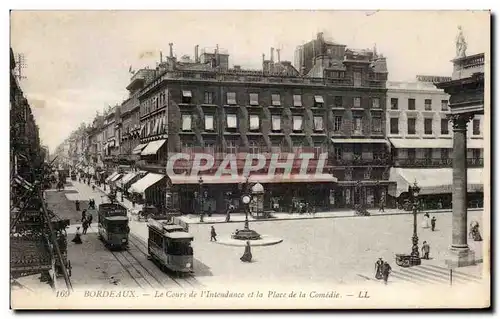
(278, 51)
(171, 49)
(272, 54)
(196, 58)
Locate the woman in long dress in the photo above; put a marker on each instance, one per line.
(425, 221)
(378, 268)
(247, 255)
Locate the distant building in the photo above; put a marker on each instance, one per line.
(421, 137)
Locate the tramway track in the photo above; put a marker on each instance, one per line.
(130, 269)
(188, 282)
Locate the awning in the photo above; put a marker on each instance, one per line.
(318, 99)
(358, 140)
(153, 147)
(138, 149)
(125, 179)
(432, 143)
(230, 179)
(193, 179)
(144, 183)
(111, 176)
(115, 178)
(433, 180)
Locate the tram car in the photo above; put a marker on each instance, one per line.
(169, 246)
(113, 225)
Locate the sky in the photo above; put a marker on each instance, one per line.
(78, 61)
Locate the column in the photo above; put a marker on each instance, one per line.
(463, 256)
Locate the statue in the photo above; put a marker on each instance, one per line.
(461, 45)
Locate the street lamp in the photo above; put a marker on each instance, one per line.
(414, 192)
(246, 233)
(200, 199)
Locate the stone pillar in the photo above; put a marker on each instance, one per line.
(461, 255)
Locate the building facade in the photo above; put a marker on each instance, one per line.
(201, 105)
(420, 133)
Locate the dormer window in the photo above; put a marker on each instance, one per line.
(254, 99)
(318, 101)
(186, 96)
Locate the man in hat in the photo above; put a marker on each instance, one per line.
(433, 223)
(426, 249)
(386, 270)
(213, 234)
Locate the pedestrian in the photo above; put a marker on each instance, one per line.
(89, 219)
(78, 238)
(386, 270)
(77, 205)
(433, 223)
(213, 234)
(133, 202)
(85, 226)
(247, 255)
(93, 187)
(84, 215)
(122, 196)
(426, 249)
(381, 207)
(378, 268)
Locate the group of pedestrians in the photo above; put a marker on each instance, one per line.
(382, 270)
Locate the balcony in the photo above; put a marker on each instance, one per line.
(361, 162)
(434, 162)
(467, 66)
(159, 167)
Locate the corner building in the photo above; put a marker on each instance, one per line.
(202, 105)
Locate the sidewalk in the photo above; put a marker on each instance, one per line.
(239, 217)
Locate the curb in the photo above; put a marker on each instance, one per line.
(320, 217)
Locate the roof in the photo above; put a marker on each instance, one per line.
(170, 228)
(419, 86)
(117, 218)
(179, 235)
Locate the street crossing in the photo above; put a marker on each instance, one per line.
(428, 274)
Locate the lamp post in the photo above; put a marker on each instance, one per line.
(200, 198)
(414, 192)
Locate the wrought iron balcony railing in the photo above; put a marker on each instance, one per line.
(434, 162)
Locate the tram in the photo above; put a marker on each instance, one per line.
(169, 246)
(113, 225)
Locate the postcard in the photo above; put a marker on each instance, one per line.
(250, 159)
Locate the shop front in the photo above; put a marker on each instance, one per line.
(150, 190)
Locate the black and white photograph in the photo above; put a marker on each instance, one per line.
(250, 159)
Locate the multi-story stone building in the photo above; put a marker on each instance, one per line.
(421, 136)
(338, 107)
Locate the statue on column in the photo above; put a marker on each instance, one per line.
(461, 45)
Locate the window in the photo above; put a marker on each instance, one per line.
(357, 78)
(375, 103)
(157, 102)
(338, 101)
(253, 147)
(186, 97)
(208, 98)
(231, 98)
(231, 147)
(444, 105)
(411, 104)
(395, 125)
(297, 100)
(428, 126)
(254, 99)
(428, 153)
(445, 153)
(297, 123)
(209, 122)
(231, 121)
(411, 154)
(276, 122)
(318, 101)
(357, 151)
(445, 127)
(377, 124)
(318, 150)
(210, 147)
(394, 103)
(411, 126)
(276, 99)
(186, 122)
(357, 125)
(357, 102)
(337, 123)
(254, 122)
(476, 130)
(476, 153)
(337, 152)
(318, 123)
(428, 104)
